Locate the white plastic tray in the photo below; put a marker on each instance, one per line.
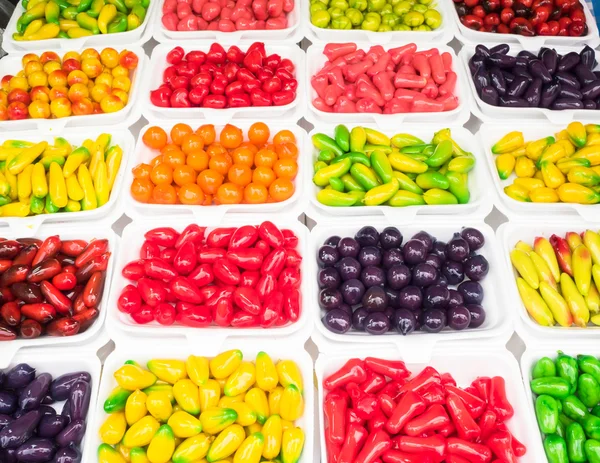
(489, 113)
(133, 238)
(470, 37)
(441, 35)
(58, 361)
(315, 60)
(158, 63)
(8, 349)
(465, 362)
(142, 353)
(123, 138)
(498, 321)
(480, 204)
(508, 235)
(490, 134)
(136, 37)
(216, 212)
(11, 64)
(293, 33)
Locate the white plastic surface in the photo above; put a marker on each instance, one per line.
(465, 364)
(215, 212)
(136, 37)
(488, 135)
(498, 320)
(497, 114)
(470, 37)
(315, 60)
(75, 231)
(508, 235)
(293, 33)
(65, 360)
(167, 349)
(122, 325)
(158, 64)
(29, 225)
(11, 64)
(441, 35)
(481, 200)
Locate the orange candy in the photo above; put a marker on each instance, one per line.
(205, 167)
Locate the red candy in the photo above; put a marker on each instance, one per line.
(367, 420)
(247, 276)
(226, 79)
(398, 80)
(52, 287)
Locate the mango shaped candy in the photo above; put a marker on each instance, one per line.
(242, 379)
(184, 425)
(266, 373)
(187, 396)
(225, 363)
(141, 433)
(250, 451)
(289, 373)
(116, 400)
(132, 377)
(272, 432)
(135, 407)
(226, 443)
(113, 429)
(106, 454)
(169, 371)
(162, 445)
(192, 449)
(257, 400)
(292, 403)
(214, 420)
(159, 406)
(209, 394)
(138, 455)
(197, 369)
(292, 445)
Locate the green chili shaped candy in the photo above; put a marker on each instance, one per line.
(342, 137)
(320, 165)
(589, 364)
(375, 137)
(441, 154)
(355, 157)
(439, 197)
(322, 176)
(406, 198)
(364, 175)
(358, 139)
(544, 368)
(382, 167)
(330, 197)
(382, 193)
(408, 184)
(588, 390)
(413, 149)
(459, 186)
(369, 148)
(336, 183)
(324, 142)
(350, 184)
(546, 412)
(573, 408)
(326, 155)
(556, 449)
(567, 368)
(575, 437)
(400, 140)
(430, 180)
(555, 387)
(462, 164)
(592, 450)
(358, 196)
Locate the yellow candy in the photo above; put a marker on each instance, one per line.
(543, 195)
(275, 400)
(226, 443)
(257, 399)
(289, 373)
(162, 445)
(138, 455)
(159, 406)
(253, 428)
(132, 377)
(241, 380)
(141, 433)
(186, 395)
(192, 449)
(135, 408)
(166, 388)
(197, 369)
(209, 393)
(251, 449)
(524, 167)
(272, 432)
(106, 454)
(113, 428)
(225, 363)
(169, 371)
(214, 420)
(226, 402)
(292, 445)
(266, 373)
(184, 425)
(292, 403)
(245, 415)
(124, 451)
